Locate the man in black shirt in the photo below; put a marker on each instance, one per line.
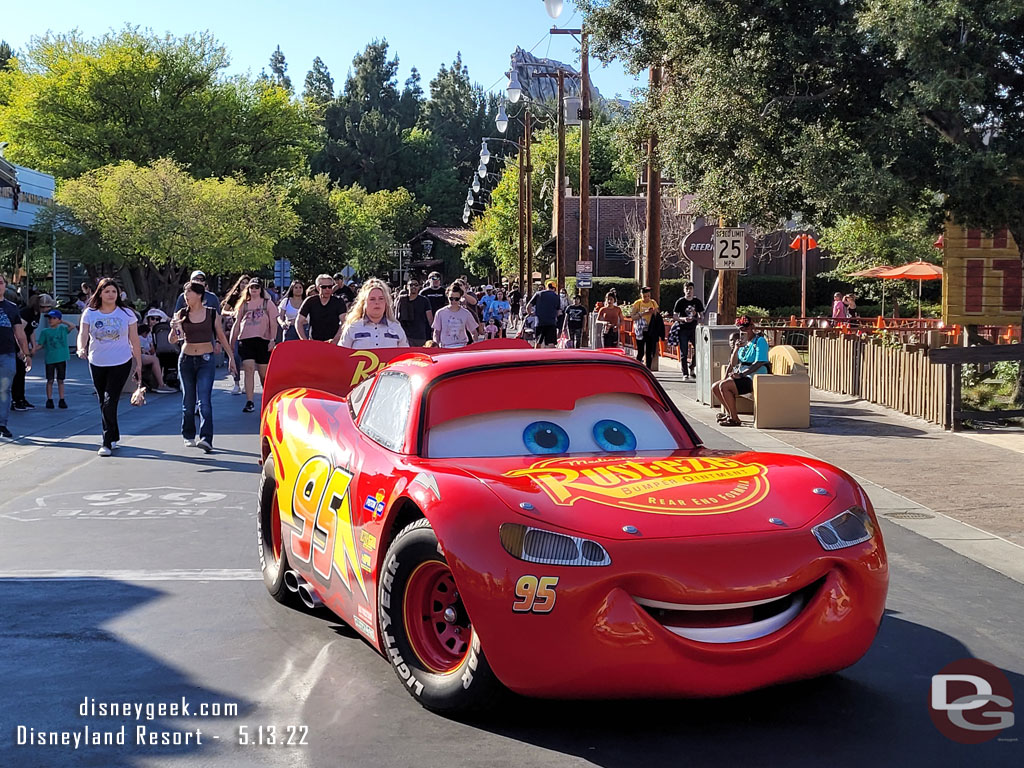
(320, 316)
(575, 317)
(690, 311)
(546, 304)
(343, 289)
(415, 314)
(434, 292)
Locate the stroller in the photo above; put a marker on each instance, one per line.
(166, 353)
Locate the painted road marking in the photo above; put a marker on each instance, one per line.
(185, 574)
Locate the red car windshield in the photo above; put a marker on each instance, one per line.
(549, 410)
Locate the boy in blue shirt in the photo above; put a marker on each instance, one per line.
(54, 341)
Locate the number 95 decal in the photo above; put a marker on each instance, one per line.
(535, 595)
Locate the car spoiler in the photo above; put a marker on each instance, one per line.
(330, 368)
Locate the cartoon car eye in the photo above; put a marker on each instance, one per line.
(542, 437)
(614, 436)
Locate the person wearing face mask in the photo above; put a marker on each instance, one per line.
(454, 324)
(434, 292)
(371, 323)
(611, 315)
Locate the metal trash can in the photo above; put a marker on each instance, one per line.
(712, 353)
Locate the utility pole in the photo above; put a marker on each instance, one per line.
(584, 254)
(522, 209)
(653, 271)
(561, 266)
(529, 204)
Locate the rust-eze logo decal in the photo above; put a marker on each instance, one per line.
(688, 486)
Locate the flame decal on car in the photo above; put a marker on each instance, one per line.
(314, 485)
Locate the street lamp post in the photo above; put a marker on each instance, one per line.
(585, 115)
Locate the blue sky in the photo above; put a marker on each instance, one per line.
(423, 33)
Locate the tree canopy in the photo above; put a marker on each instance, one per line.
(73, 105)
(159, 218)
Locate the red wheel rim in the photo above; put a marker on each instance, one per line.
(275, 528)
(435, 619)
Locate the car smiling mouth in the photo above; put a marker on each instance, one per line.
(729, 622)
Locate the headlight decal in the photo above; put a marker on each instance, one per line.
(850, 527)
(535, 545)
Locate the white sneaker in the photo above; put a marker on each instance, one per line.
(190, 443)
(236, 390)
(104, 451)
(114, 446)
(201, 443)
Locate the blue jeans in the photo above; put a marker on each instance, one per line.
(196, 373)
(8, 367)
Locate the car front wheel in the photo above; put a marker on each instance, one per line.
(426, 632)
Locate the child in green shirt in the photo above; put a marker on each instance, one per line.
(54, 341)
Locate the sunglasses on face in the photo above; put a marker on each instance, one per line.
(325, 287)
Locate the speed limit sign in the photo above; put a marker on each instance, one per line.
(730, 249)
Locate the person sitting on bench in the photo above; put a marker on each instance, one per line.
(752, 355)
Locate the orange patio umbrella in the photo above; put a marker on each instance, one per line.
(915, 270)
(874, 272)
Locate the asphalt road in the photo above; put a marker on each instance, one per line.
(134, 579)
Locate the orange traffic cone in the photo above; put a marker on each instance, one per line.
(880, 323)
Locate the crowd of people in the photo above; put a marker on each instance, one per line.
(157, 349)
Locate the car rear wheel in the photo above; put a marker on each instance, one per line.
(425, 630)
(273, 558)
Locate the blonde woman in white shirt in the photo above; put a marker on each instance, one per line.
(371, 323)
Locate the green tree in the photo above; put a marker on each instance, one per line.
(319, 87)
(856, 243)
(333, 231)
(365, 124)
(459, 114)
(6, 54)
(161, 223)
(279, 70)
(74, 105)
(426, 171)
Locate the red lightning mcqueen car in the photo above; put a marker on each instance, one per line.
(547, 521)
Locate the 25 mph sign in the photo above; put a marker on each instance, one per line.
(730, 249)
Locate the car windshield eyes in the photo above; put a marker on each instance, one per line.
(613, 436)
(542, 437)
(546, 437)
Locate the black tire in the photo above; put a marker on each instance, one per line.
(469, 687)
(273, 566)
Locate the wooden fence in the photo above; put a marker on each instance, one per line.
(900, 378)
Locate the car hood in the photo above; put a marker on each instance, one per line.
(680, 494)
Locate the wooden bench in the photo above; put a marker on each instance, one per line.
(782, 399)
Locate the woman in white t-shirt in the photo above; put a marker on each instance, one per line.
(288, 309)
(109, 337)
(454, 325)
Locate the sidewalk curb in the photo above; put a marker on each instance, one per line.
(988, 549)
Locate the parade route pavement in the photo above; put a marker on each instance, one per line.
(136, 579)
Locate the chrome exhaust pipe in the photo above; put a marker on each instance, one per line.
(309, 596)
(293, 581)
